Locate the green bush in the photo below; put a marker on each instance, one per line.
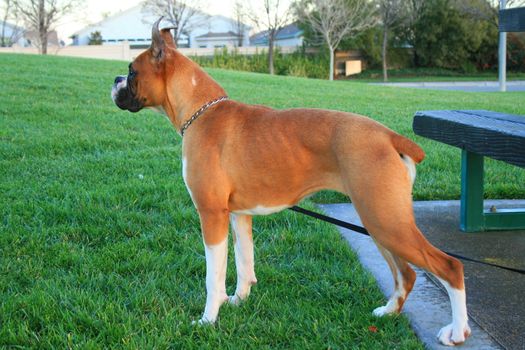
(95, 38)
(299, 63)
(516, 51)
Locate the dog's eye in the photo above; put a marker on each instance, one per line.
(131, 71)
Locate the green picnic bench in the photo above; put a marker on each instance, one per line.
(479, 134)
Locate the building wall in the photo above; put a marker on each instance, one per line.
(214, 43)
(124, 52)
(281, 42)
(134, 25)
(13, 33)
(131, 25)
(290, 42)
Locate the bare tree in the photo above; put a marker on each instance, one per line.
(184, 15)
(275, 17)
(335, 19)
(391, 13)
(42, 15)
(239, 17)
(7, 10)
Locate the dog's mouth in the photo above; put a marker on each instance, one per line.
(123, 96)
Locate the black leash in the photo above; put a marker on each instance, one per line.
(363, 231)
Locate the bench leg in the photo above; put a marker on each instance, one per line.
(471, 192)
(473, 218)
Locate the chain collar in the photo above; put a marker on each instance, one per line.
(199, 113)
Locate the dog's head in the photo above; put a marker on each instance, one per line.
(144, 86)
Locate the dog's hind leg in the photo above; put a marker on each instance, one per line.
(244, 262)
(407, 242)
(449, 271)
(383, 200)
(215, 232)
(404, 278)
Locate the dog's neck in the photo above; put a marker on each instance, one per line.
(188, 90)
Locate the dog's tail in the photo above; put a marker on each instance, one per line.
(407, 147)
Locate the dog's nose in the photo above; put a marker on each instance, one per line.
(119, 79)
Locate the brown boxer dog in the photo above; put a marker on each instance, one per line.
(240, 160)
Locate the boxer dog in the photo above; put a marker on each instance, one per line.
(241, 160)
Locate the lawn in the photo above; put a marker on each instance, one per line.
(100, 244)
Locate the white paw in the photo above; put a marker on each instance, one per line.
(202, 322)
(451, 337)
(382, 311)
(234, 300)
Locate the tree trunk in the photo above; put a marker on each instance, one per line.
(383, 53)
(43, 42)
(332, 58)
(415, 56)
(271, 40)
(4, 41)
(42, 29)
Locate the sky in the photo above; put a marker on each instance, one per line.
(93, 11)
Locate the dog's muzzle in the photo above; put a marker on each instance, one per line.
(123, 96)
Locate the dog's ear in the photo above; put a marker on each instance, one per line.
(158, 45)
(165, 33)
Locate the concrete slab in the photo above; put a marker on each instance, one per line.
(494, 296)
(470, 86)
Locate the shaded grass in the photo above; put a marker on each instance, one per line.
(100, 245)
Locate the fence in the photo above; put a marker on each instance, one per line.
(124, 52)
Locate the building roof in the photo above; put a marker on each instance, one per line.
(131, 10)
(287, 32)
(212, 35)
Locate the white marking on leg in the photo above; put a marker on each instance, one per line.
(244, 260)
(456, 332)
(411, 167)
(262, 210)
(184, 177)
(216, 260)
(392, 306)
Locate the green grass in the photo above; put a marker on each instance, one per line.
(100, 244)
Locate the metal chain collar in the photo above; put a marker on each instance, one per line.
(199, 113)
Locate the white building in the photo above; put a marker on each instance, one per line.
(134, 26)
(11, 34)
(289, 35)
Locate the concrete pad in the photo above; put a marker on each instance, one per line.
(494, 296)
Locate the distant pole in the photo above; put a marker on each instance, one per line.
(502, 55)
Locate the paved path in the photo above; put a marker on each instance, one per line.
(495, 297)
(470, 86)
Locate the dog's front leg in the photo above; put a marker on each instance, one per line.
(215, 233)
(244, 262)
